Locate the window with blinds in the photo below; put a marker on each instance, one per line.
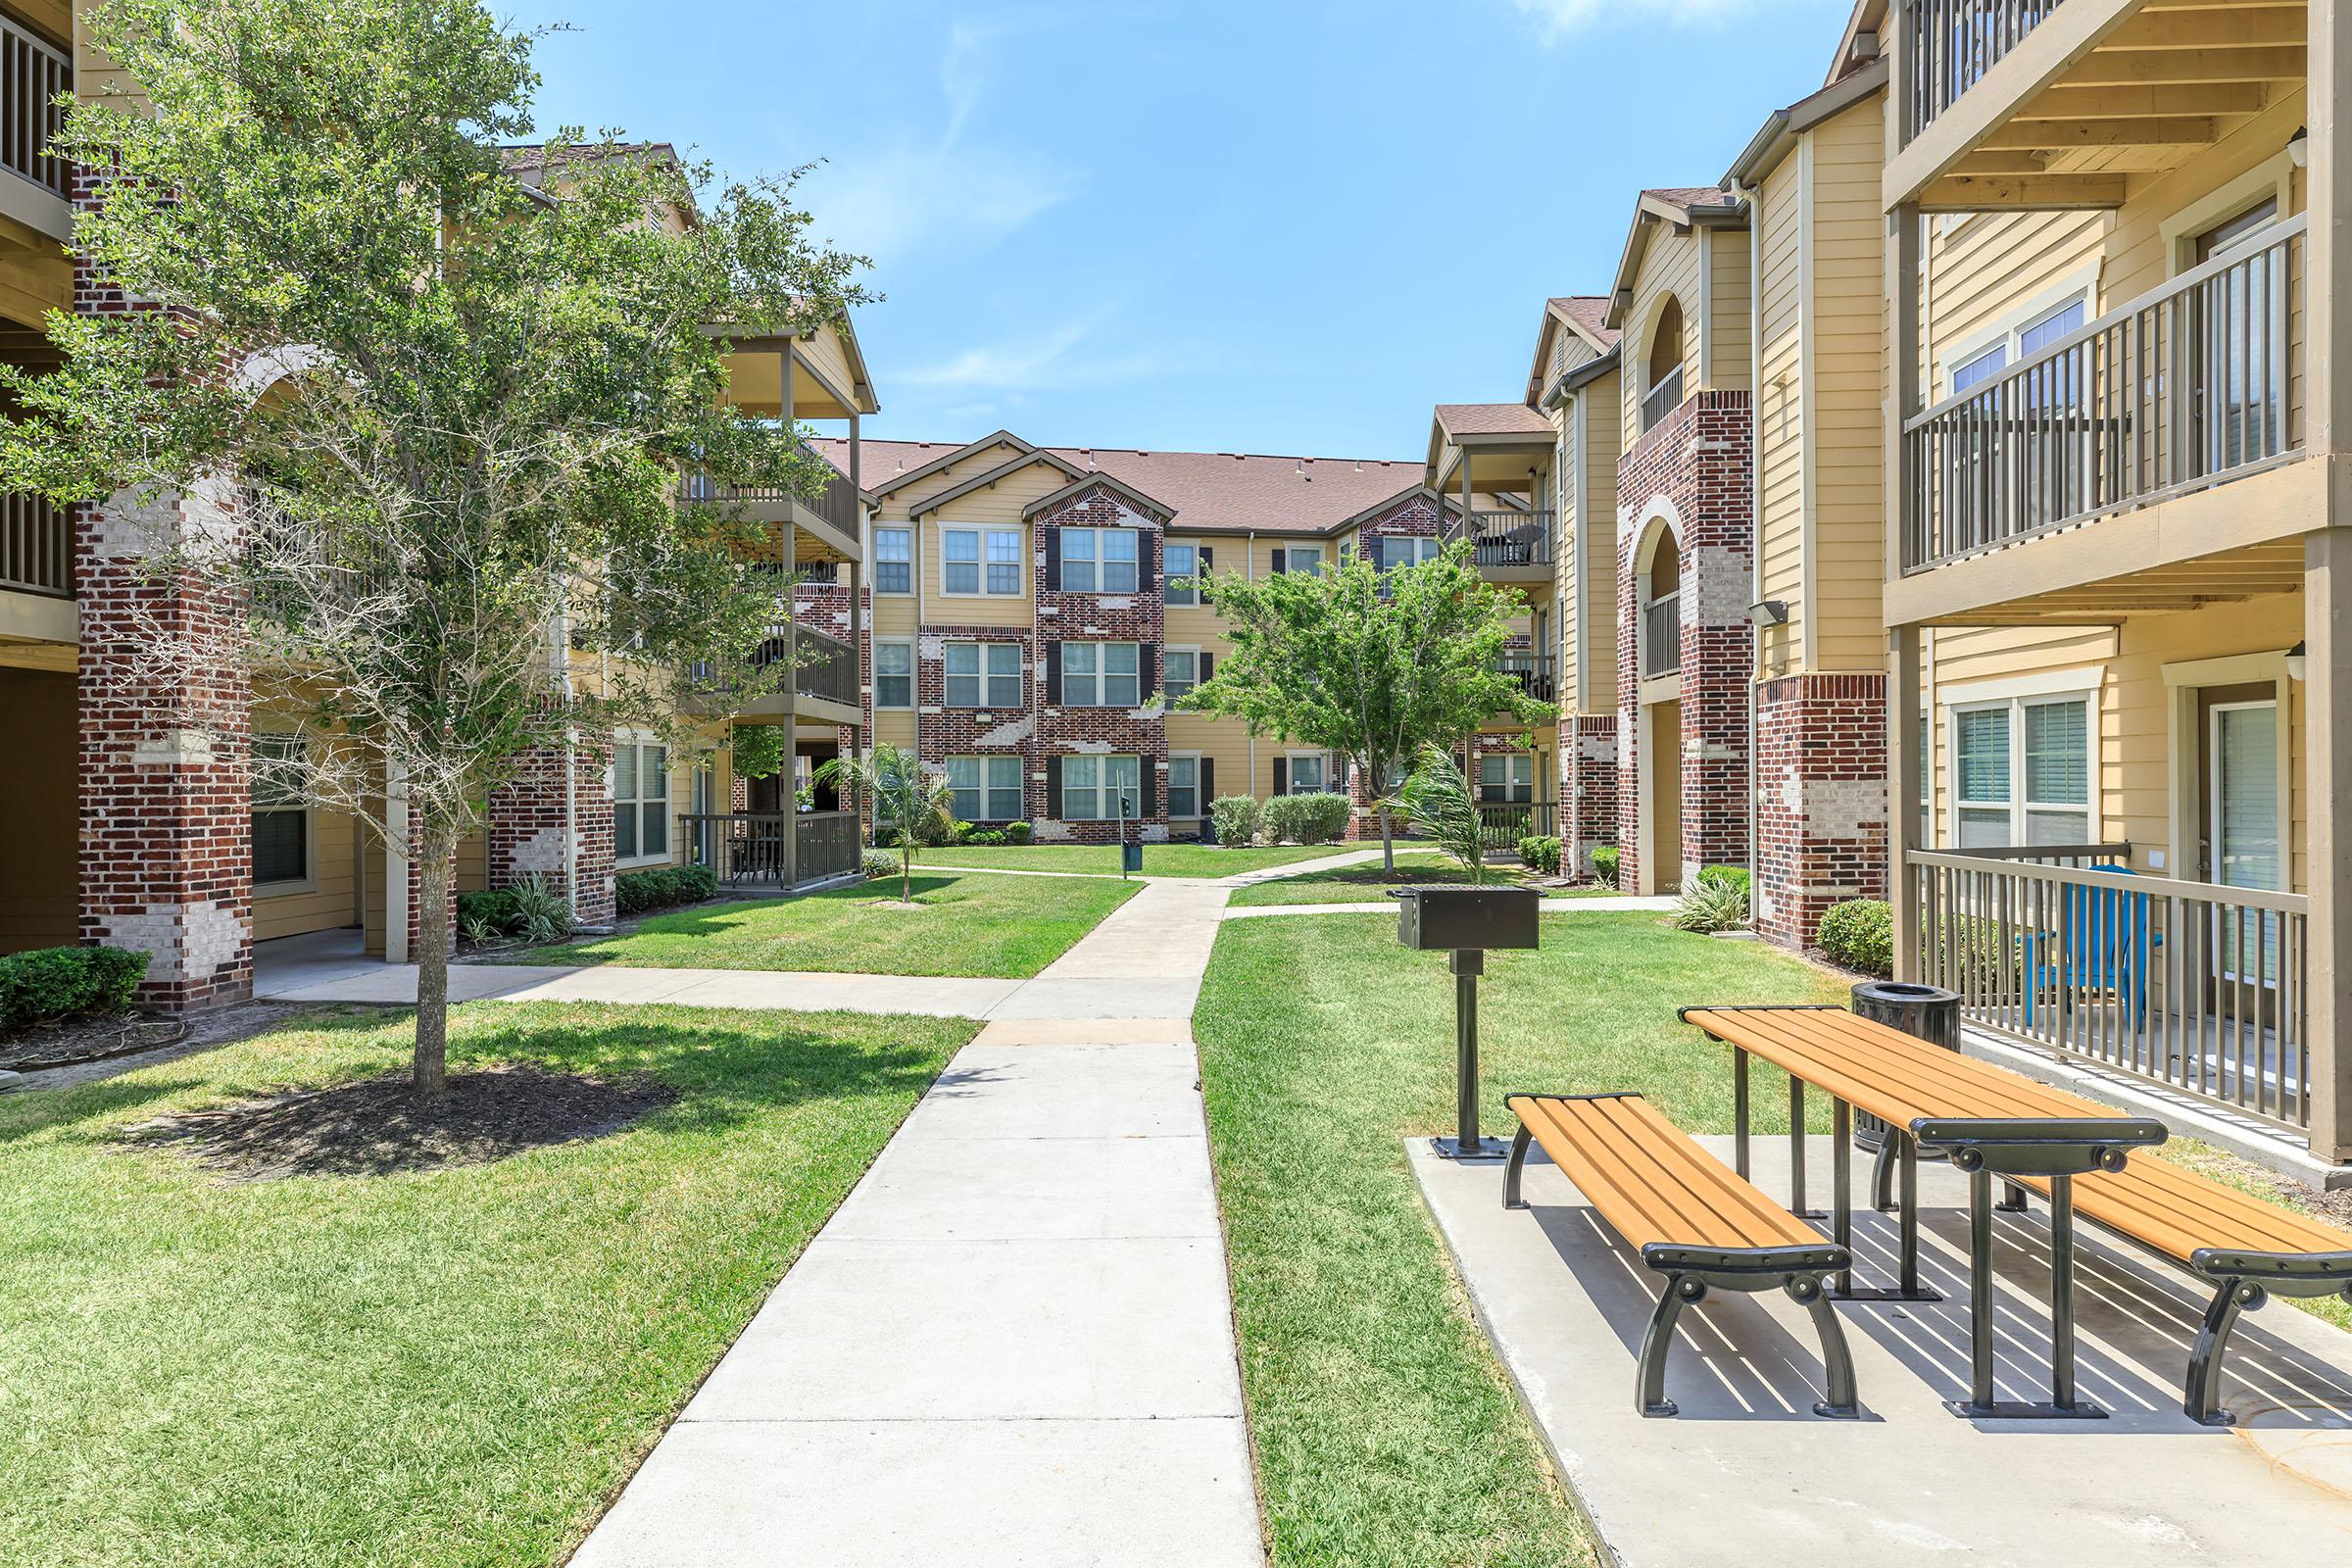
(640, 801)
(281, 819)
(2020, 772)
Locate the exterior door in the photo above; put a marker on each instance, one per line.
(2237, 399)
(2242, 830)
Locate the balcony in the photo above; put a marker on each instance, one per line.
(2195, 986)
(825, 672)
(2191, 385)
(1501, 824)
(826, 667)
(32, 74)
(1954, 42)
(1661, 399)
(1502, 541)
(834, 508)
(1661, 647)
(1534, 672)
(37, 547)
(786, 848)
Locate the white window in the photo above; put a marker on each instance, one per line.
(894, 561)
(894, 674)
(1184, 786)
(978, 560)
(1307, 558)
(986, 789)
(281, 820)
(640, 801)
(1180, 671)
(983, 675)
(1181, 561)
(1307, 773)
(1390, 553)
(1095, 789)
(1101, 675)
(1506, 776)
(2020, 772)
(1978, 366)
(1099, 560)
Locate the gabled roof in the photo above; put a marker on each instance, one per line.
(1099, 480)
(1772, 141)
(1001, 472)
(1459, 420)
(1203, 492)
(1583, 314)
(1680, 207)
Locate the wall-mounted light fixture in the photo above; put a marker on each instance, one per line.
(1769, 612)
(2298, 147)
(2296, 663)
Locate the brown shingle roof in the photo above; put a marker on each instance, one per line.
(1220, 490)
(1491, 419)
(1687, 197)
(1590, 312)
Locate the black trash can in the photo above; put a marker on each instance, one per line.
(1927, 1012)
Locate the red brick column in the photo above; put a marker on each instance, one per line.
(535, 829)
(167, 800)
(1821, 811)
(1589, 781)
(1066, 616)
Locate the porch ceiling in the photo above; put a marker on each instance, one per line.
(2170, 79)
(2254, 571)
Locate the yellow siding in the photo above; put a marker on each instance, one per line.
(1729, 311)
(1846, 281)
(1669, 266)
(39, 889)
(326, 903)
(1782, 398)
(1598, 409)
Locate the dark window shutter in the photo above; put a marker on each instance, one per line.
(1208, 663)
(1207, 790)
(1151, 802)
(1054, 684)
(1054, 787)
(1052, 557)
(1282, 775)
(1280, 560)
(1205, 559)
(1146, 665)
(1147, 545)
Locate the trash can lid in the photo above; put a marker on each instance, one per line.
(1903, 991)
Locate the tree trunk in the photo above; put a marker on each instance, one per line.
(1387, 840)
(430, 1074)
(906, 872)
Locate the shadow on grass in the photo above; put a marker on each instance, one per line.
(740, 918)
(29, 1113)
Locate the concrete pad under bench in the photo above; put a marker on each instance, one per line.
(1749, 1473)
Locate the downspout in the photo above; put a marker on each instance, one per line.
(1755, 525)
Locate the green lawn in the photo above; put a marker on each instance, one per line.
(1003, 927)
(1386, 1435)
(454, 1368)
(1160, 859)
(1363, 884)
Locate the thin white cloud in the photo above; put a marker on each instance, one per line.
(956, 185)
(1079, 352)
(1558, 19)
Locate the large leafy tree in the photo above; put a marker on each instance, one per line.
(1372, 664)
(441, 389)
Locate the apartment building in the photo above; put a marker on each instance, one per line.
(1031, 607)
(134, 814)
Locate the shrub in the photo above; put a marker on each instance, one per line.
(1314, 818)
(1540, 852)
(1732, 877)
(878, 863)
(59, 982)
(987, 838)
(1605, 863)
(1237, 818)
(1016, 832)
(662, 886)
(938, 829)
(1858, 934)
(541, 913)
(1718, 906)
(486, 915)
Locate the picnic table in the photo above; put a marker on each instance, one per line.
(1992, 1122)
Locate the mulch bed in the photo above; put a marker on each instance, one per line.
(64, 1042)
(375, 1127)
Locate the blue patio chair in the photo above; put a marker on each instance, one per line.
(2109, 943)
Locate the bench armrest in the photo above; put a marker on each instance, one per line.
(2032, 1145)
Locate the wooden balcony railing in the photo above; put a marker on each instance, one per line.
(836, 502)
(37, 547)
(2197, 986)
(1662, 634)
(1508, 538)
(2188, 385)
(32, 76)
(749, 847)
(1954, 42)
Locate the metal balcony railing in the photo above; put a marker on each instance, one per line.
(1662, 634)
(836, 502)
(1500, 539)
(34, 73)
(2197, 986)
(37, 547)
(1954, 42)
(1661, 399)
(1501, 824)
(1534, 670)
(2190, 384)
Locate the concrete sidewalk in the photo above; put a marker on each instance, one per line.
(1013, 1342)
(1606, 904)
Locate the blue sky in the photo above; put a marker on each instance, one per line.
(1260, 227)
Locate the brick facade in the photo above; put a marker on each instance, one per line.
(1821, 807)
(1589, 806)
(1696, 468)
(533, 830)
(1064, 730)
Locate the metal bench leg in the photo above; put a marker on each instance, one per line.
(2062, 1292)
(1740, 1111)
(1907, 1221)
(1842, 1183)
(2203, 1399)
(2013, 1199)
(1650, 1398)
(1836, 1362)
(1510, 1172)
(1979, 1289)
(1796, 1149)
(1882, 1172)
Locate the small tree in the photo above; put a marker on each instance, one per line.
(423, 402)
(1437, 799)
(906, 796)
(1372, 664)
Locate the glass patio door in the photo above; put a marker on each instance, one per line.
(2243, 827)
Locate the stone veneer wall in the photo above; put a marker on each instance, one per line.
(1696, 467)
(1821, 809)
(1589, 778)
(528, 832)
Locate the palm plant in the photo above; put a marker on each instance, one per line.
(1437, 799)
(906, 796)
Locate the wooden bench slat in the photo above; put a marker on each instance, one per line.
(1633, 1206)
(1651, 1181)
